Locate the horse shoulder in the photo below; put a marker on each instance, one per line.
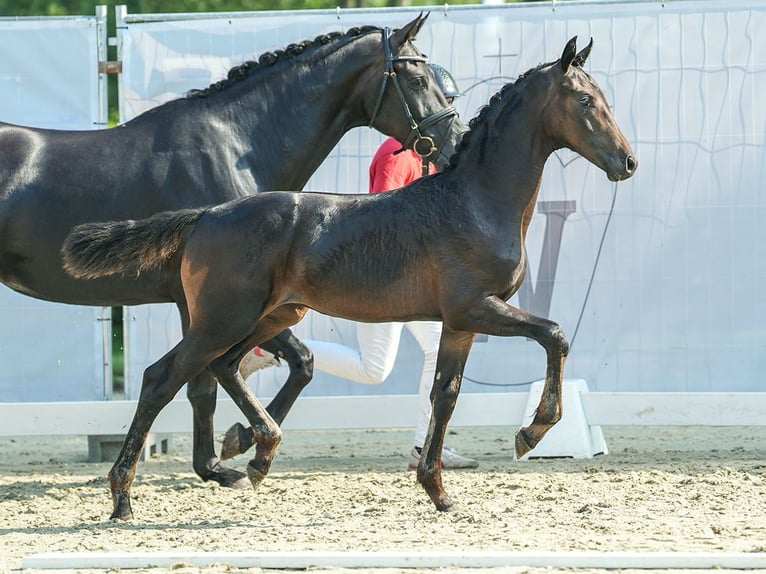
(20, 150)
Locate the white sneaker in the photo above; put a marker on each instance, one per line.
(256, 360)
(450, 459)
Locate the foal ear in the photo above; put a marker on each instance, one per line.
(568, 55)
(409, 31)
(580, 58)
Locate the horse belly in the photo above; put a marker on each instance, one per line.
(365, 296)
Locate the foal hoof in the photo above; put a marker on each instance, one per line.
(236, 441)
(256, 476)
(523, 443)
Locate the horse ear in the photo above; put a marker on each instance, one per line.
(568, 55)
(580, 58)
(409, 31)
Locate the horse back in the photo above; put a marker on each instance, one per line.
(330, 252)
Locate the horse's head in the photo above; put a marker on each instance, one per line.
(580, 118)
(405, 100)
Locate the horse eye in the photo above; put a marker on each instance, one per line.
(586, 101)
(419, 83)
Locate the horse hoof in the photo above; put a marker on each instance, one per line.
(122, 510)
(523, 443)
(444, 504)
(255, 475)
(236, 441)
(228, 477)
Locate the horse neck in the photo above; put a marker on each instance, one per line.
(287, 119)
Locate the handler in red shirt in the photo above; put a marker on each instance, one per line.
(389, 171)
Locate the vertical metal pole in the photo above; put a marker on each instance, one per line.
(103, 121)
(106, 331)
(103, 82)
(120, 13)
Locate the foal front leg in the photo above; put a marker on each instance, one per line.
(453, 352)
(494, 316)
(550, 408)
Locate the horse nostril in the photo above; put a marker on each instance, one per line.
(630, 164)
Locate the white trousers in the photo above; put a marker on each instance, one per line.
(373, 361)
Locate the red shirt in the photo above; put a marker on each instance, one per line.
(389, 171)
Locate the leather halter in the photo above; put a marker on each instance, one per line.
(422, 145)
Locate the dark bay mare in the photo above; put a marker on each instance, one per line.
(269, 125)
(447, 247)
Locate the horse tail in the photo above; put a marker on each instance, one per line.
(126, 247)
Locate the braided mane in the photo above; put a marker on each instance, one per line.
(244, 70)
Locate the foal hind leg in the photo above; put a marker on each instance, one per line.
(453, 352)
(288, 347)
(202, 393)
(238, 438)
(264, 432)
(161, 382)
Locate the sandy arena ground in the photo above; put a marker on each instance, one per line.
(659, 489)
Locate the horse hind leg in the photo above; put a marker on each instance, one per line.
(289, 348)
(202, 394)
(265, 432)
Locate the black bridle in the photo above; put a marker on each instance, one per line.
(422, 145)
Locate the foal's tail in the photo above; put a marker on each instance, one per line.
(126, 247)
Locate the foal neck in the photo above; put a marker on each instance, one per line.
(507, 149)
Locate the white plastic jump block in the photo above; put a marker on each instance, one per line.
(572, 436)
(106, 447)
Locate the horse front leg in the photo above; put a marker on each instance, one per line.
(494, 316)
(453, 352)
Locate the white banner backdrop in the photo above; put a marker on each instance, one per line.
(666, 297)
(49, 78)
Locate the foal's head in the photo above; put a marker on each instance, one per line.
(578, 116)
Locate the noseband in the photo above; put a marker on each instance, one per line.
(422, 145)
